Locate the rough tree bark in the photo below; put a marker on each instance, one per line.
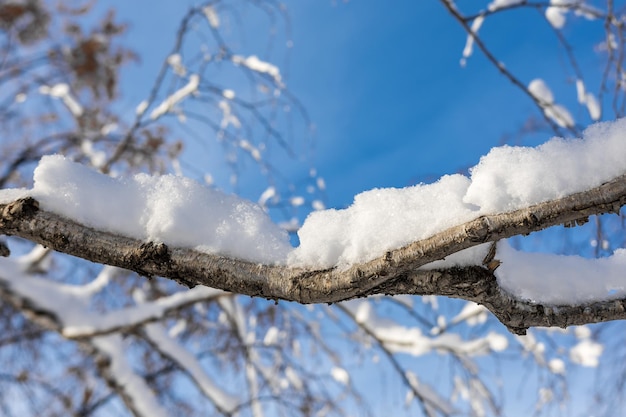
(395, 272)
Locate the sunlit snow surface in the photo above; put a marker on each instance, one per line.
(180, 212)
(382, 219)
(174, 210)
(506, 179)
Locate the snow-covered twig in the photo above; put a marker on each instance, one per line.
(141, 314)
(179, 95)
(119, 373)
(428, 402)
(190, 364)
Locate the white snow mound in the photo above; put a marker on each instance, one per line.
(174, 210)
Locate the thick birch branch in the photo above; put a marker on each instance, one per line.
(396, 272)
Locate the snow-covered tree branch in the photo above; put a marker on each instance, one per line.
(202, 237)
(202, 165)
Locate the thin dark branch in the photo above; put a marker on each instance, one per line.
(449, 5)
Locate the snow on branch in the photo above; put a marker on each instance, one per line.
(189, 363)
(543, 95)
(119, 373)
(413, 341)
(52, 306)
(66, 306)
(361, 312)
(179, 95)
(383, 244)
(253, 63)
(62, 91)
(135, 316)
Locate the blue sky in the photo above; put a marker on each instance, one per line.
(397, 96)
(396, 106)
(383, 84)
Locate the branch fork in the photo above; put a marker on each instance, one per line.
(395, 272)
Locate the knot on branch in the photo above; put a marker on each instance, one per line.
(479, 230)
(154, 252)
(531, 221)
(23, 208)
(149, 253)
